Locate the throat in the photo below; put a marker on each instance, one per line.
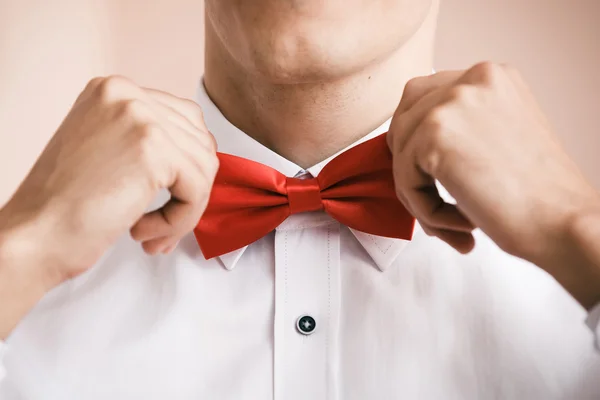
(307, 122)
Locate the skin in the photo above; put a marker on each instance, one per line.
(119, 145)
(305, 78)
(460, 128)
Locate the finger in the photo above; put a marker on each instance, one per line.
(155, 246)
(422, 194)
(400, 166)
(403, 126)
(414, 92)
(147, 229)
(168, 114)
(188, 108)
(190, 192)
(204, 159)
(89, 89)
(173, 220)
(192, 145)
(194, 168)
(185, 107)
(404, 201)
(164, 245)
(418, 87)
(426, 204)
(169, 220)
(460, 241)
(170, 248)
(519, 83)
(418, 192)
(172, 116)
(110, 89)
(432, 210)
(185, 134)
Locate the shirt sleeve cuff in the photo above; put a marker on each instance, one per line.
(593, 322)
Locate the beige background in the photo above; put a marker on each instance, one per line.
(50, 49)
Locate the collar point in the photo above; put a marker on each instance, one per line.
(383, 250)
(230, 260)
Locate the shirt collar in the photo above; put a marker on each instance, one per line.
(231, 140)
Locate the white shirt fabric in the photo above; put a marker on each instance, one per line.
(394, 319)
(593, 322)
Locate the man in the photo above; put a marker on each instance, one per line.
(314, 308)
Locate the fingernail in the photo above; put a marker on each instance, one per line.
(170, 248)
(152, 252)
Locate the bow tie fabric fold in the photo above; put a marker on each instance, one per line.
(249, 199)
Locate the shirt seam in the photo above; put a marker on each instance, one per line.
(379, 247)
(308, 225)
(285, 273)
(328, 357)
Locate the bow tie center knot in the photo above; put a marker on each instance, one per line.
(303, 195)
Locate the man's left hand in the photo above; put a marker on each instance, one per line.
(482, 135)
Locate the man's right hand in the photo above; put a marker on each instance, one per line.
(119, 145)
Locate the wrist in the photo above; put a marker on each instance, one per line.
(25, 251)
(22, 284)
(573, 257)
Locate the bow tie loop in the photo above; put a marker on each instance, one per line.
(303, 195)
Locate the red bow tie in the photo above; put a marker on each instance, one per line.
(249, 199)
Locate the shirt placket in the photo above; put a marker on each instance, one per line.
(307, 292)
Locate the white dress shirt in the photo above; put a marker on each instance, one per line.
(394, 319)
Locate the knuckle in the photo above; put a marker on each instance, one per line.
(426, 219)
(511, 71)
(93, 83)
(210, 169)
(412, 86)
(428, 230)
(198, 118)
(461, 92)
(145, 141)
(432, 161)
(148, 132)
(438, 141)
(202, 195)
(205, 173)
(400, 124)
(435, 120)
(196, 112)
(487, 72)
(213, 142)
(208, 141)
(412, 90)
(112, 88)
(215, 164)
(134, 109)
(399, 190)
(198, 195)
(508, 67)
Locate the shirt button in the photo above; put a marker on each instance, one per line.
(306, 324)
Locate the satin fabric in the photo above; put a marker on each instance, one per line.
(249, 199)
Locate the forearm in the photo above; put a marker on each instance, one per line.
(17, 297)
(21, 286)
(575, 260)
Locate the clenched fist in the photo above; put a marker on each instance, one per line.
(119, 145)
(481, 134)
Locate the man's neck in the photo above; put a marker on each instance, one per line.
(308, 122)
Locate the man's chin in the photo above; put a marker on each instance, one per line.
(305, 67)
